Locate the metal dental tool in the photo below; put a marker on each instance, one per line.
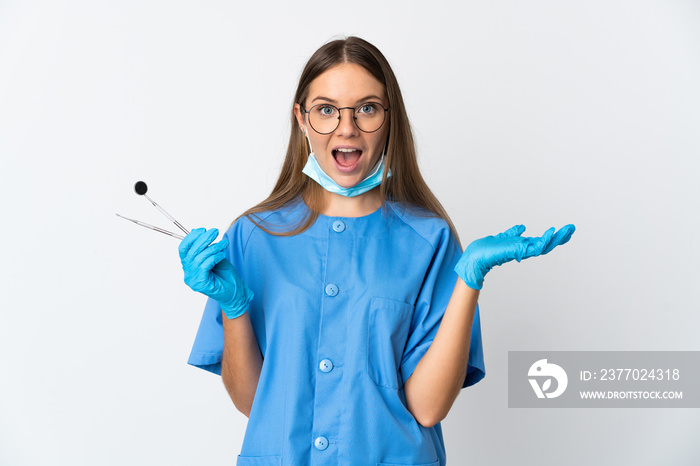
(141, 188)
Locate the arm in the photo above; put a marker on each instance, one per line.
(438, 377)
(242, 362)
(208, 271)
(437, 380)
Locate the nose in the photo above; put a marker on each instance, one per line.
(346, 126)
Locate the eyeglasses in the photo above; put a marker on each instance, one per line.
(325, 118)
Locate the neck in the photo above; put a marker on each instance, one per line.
(357, 206)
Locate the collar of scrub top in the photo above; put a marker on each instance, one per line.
(140, 187)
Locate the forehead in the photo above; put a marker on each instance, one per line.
(345, 83)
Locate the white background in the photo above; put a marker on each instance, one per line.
(540, 112)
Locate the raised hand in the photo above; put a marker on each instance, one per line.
(207, 271)
(485, 253)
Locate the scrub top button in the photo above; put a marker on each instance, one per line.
(326, 365)
(338, 226)
(331, 290)
(321, 443)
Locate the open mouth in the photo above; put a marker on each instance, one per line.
(346, 159)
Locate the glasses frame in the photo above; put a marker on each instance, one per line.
(340, 114)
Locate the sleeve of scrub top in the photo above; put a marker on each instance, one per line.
(208, 347)
(430, 306)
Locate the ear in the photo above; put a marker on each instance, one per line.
(300, 117)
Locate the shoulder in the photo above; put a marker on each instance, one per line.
(281, 219)
(427, 225)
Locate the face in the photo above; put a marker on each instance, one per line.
(347, 154)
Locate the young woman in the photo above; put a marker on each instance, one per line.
(342, 313)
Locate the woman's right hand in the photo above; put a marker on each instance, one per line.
(207, 271)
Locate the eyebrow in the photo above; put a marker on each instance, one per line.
(365, 99)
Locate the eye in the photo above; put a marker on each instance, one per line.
(367, 109)
(326, 110)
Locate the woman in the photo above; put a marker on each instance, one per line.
(335, 316)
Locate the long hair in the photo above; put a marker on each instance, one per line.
(405, 185)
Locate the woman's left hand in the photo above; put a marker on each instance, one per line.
(485, 253)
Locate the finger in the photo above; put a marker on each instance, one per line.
(536, 246)
(560, 237)
(517, 230)
(186, 243)
(568, 232)
(212, 260)
(214, 249)
(198, 273)
(201, 243)
(545, 240)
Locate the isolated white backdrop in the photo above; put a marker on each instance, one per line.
(541, 112)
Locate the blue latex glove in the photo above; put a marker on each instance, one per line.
(485, 253)
(207, 271)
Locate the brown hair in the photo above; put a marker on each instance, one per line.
(405, 185)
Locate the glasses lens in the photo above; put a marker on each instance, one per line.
(369, 116)
(324, 118)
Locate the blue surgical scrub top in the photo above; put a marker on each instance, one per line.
(343, 313)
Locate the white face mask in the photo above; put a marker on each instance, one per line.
(314, 171)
